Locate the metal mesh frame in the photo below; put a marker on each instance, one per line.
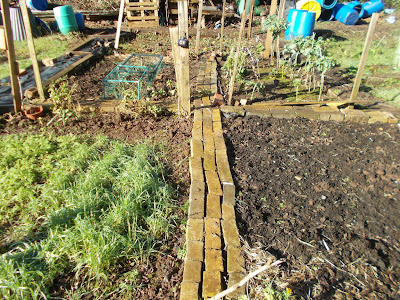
(134, 74)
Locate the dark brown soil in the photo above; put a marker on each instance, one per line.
(324, 196)
(159, 278)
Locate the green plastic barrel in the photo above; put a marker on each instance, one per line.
(65, 18)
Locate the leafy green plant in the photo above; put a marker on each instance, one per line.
(61, 96)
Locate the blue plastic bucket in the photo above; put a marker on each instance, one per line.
(371, 7)
(80, 20)
(327, 4)
(65, 18)
(326, 15)
(301, 23)
(345, 14)
(37, 4)
(356, 6)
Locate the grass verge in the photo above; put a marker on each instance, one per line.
(50, 46)
(78, 207)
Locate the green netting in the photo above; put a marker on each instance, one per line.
(132, 76)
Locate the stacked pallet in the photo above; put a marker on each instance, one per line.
(173, 10)
(141, 13)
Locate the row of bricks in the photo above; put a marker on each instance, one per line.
(325, 113)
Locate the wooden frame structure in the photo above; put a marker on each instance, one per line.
(141, 13)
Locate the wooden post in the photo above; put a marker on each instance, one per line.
(199, 16)
(368, 40)
(11, 56)
(397, 56)
(232, 81)
(32, 50)
(3, 43)
(250, 19)
(120, 17)
(183, 57)
(268, 40)
(221, 41)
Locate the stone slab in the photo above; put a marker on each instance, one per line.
(208, 142)
(376, 116)
(192, 270)
(197, 103)
(354, 115)
(209, 161)
(216, 115)
(211, 283)
(212, 233)
(206, 101)
(283, 113)
(217, 127)
(325, 109)
(230, 233)
(392, 119)
(189, 290)
(307, 113)
(196, 208)
(336, 116)
(235, 261)
(198, 116)
(195, 230)
(228, 212)
(234, 278)
(233, 110)
(213, 183)
(224, 170)
(195, 250)
(263, 113)
(213, 260)
(228, 193)
(219, 141)
(213, 206)
(196, 146)
(196, 169)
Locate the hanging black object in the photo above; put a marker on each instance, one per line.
(183, 42)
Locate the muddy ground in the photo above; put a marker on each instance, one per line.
(161, 277)
(324, 196)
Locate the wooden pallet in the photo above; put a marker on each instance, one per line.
(173, 10)
(142, 13)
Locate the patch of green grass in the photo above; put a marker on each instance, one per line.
(50, 46)
(80, 205)
(381, 52)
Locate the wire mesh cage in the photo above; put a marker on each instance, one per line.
(132, 76)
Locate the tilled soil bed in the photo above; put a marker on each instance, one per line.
(323, 196)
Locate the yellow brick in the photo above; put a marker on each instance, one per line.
(228, 212)
(209, 161)
(189, 290)
(212, 233)
(196, 169)
(224, 170)
(228, 193)
(216, 115)
(213, 260)
(195, 250)
(213, 183)
(235, 261)
(211, 283)
(196, 147)
(213, 206)
(230, 233)
(195, 230)
(192, 271)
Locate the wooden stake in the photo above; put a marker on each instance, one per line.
(221, 41)
(250, 19)
(120, 17)
(183, 18)
(199, 16)
(397, 56)
(5, 10)
(174, 35)
(368, 40)
(268, 40)
(31, 46)
(282, 5)
(232, 81)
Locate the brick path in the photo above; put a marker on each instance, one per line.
(213, 247)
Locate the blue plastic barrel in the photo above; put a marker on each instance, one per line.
(356, 6)
(371, 7)
(301, 23)
(345, 14)
(327, 4)
(37, 4)
(65, 18)
(326, 15)
(80, 20)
